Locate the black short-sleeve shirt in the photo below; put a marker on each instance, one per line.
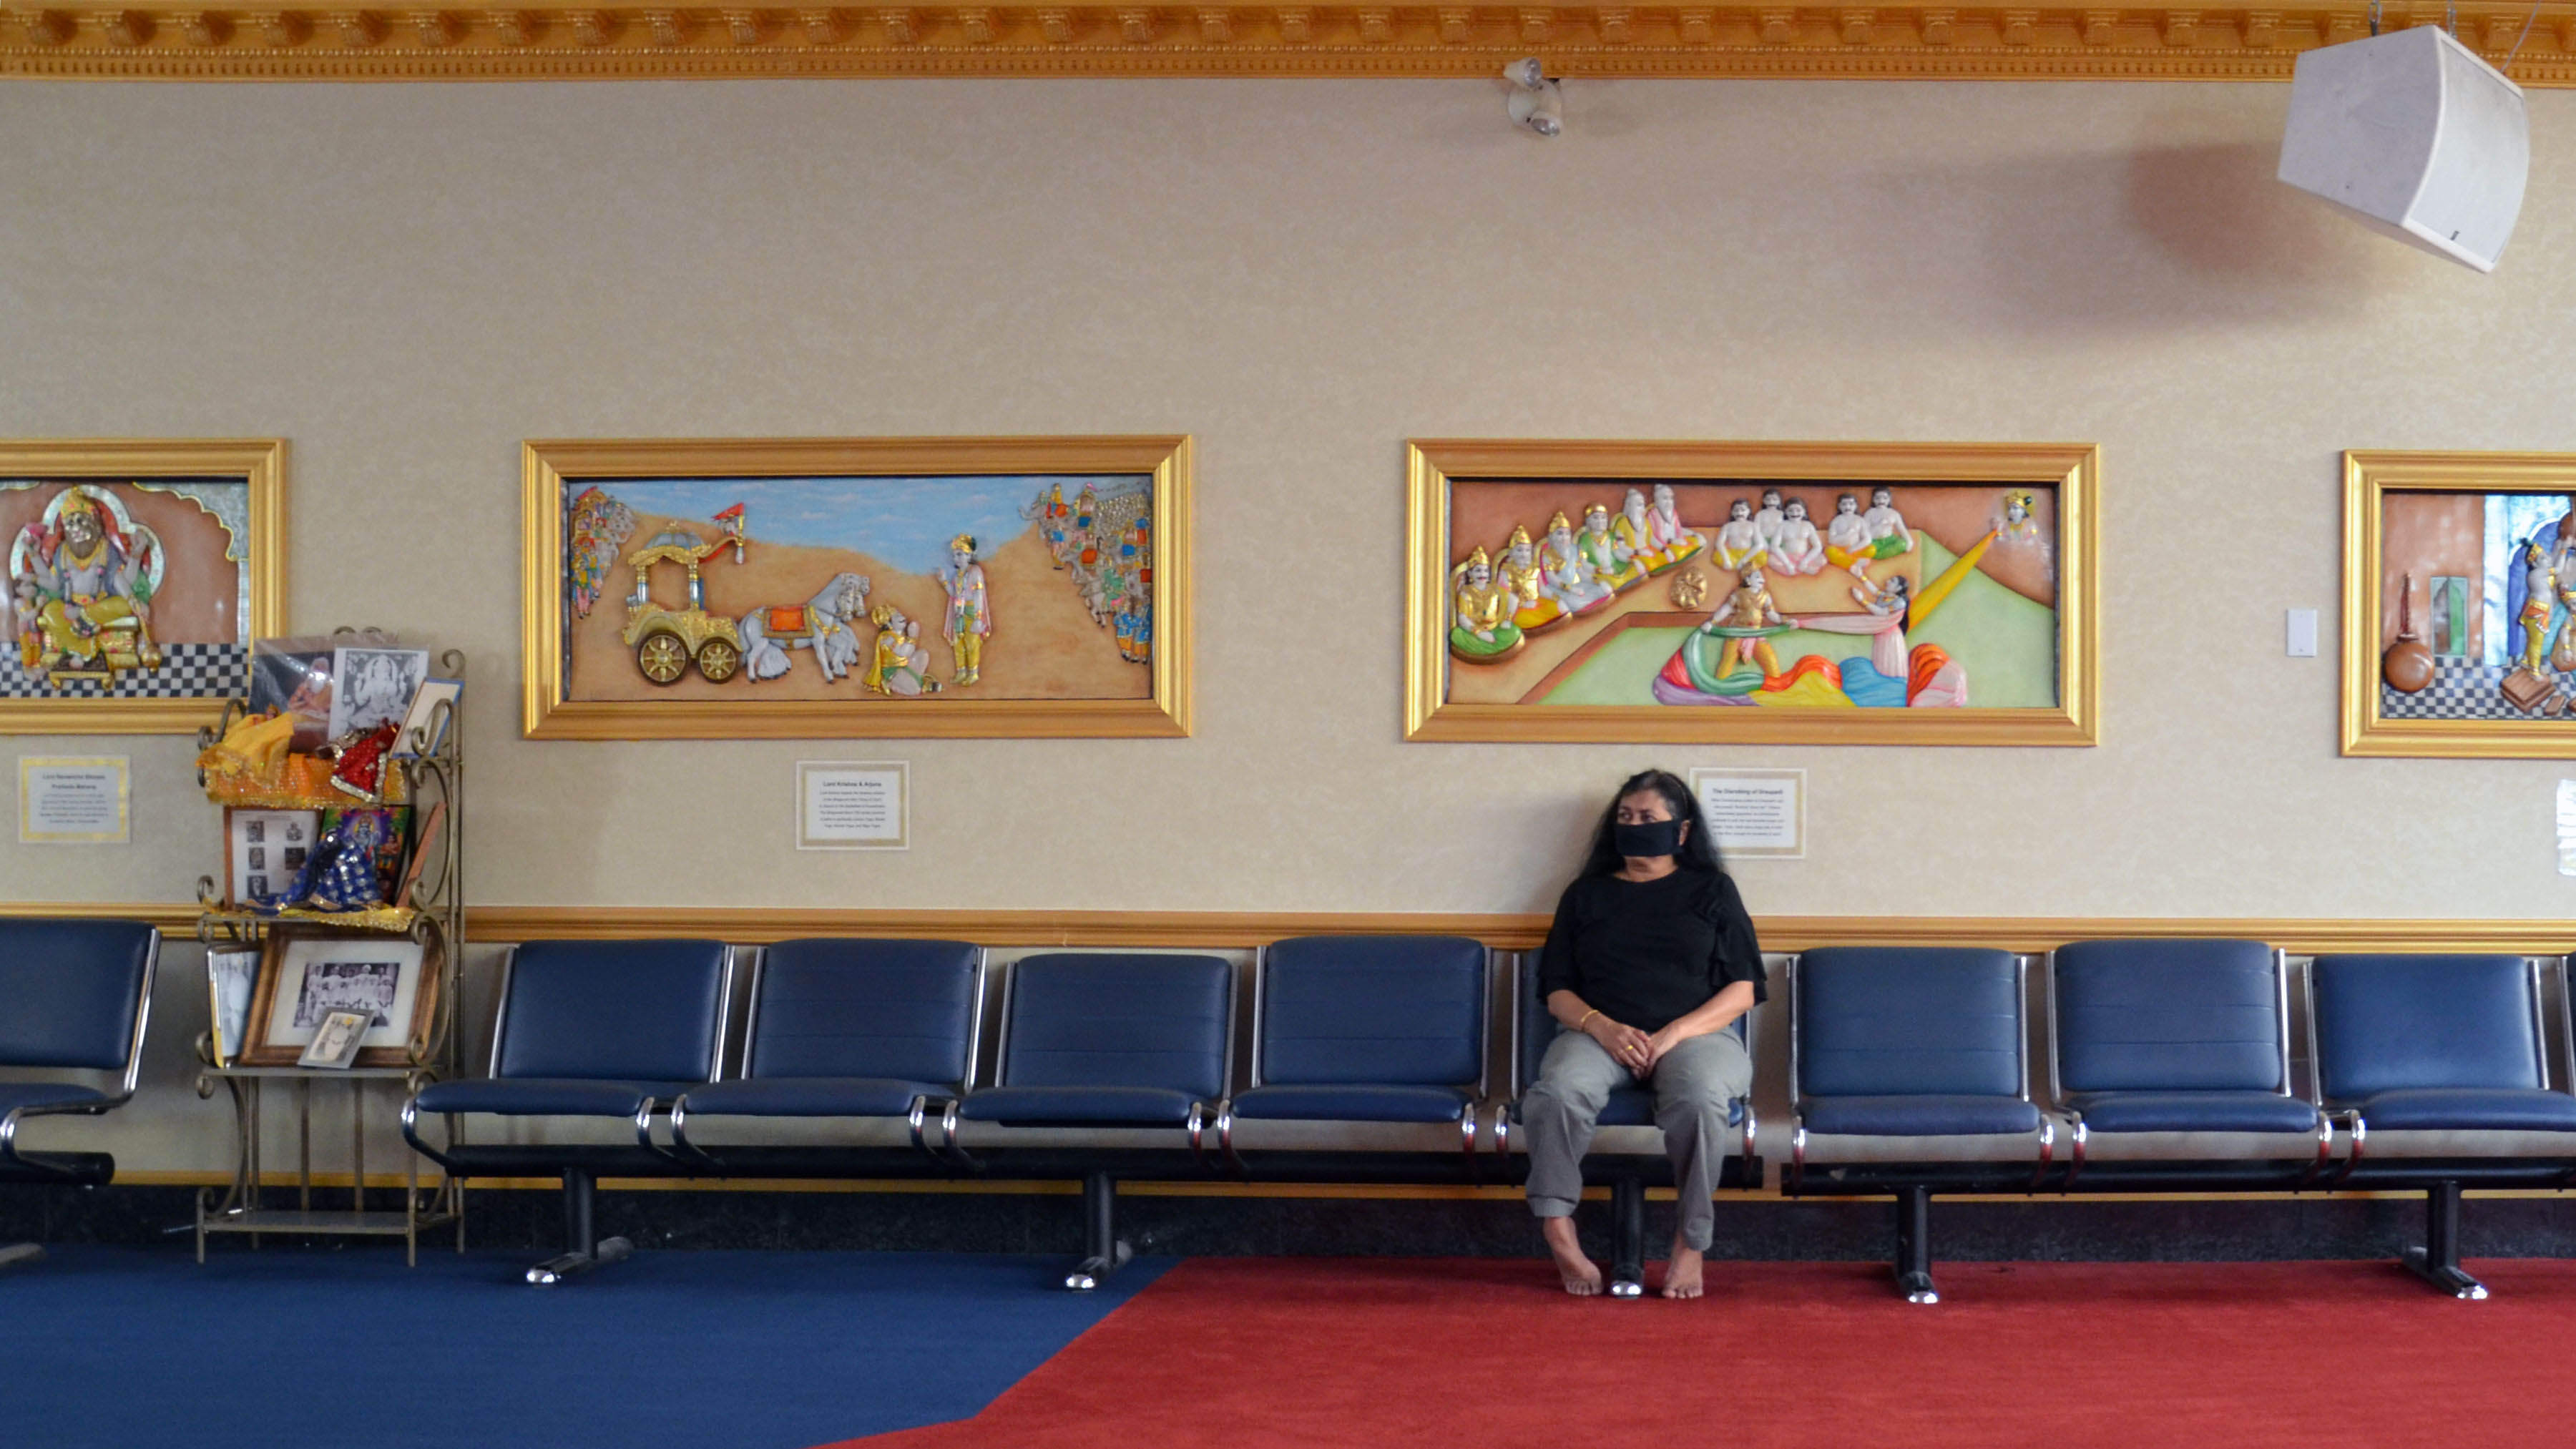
(1646, 952)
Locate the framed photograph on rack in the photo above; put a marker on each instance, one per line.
(1791, 593)
(305, 976)
(881, 587)
(264, 850)
(138, 573)
(2459, 604)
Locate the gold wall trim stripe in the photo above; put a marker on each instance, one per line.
(175, 40)
(1455, 1192)
(1238, 930)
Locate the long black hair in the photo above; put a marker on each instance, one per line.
(1698, 850)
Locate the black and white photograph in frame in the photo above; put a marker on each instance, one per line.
(264, 850)
(307, 978)
(373, 686)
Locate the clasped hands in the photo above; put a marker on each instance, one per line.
(1636, 1050)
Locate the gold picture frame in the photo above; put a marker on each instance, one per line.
(2457, 536)
(553, 708)
(2066, 475)
(45, 701)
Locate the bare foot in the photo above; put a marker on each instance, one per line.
(1582, 1277)
(1682, 1273)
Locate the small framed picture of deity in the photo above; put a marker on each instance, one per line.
(305, 976)
(139, 572)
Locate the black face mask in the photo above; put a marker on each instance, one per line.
(1655, 837)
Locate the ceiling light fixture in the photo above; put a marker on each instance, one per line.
(1535, 101)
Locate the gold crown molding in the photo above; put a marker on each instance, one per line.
(1877, 42)
(1510, 931)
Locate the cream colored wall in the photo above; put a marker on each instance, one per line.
(407, 280)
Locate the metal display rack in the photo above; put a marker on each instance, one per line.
(436, 919)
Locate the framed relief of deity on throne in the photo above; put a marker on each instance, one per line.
(139, 571)
(1803, 593)
(2459, 605)
(890, 587)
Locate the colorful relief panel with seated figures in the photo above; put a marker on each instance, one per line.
(1910, 596)
(1718, 596)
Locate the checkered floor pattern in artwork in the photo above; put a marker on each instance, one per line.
(2462, 691)
(188, 671)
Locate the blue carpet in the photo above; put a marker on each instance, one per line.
(127, 1348)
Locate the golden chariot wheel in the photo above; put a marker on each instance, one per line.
(662, 656)
(717, 660)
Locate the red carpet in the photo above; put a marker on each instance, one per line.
(1244, 1352)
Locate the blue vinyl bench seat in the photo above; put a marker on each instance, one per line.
(813, 1097)
(1635, 1107)
(1921, 1115)
(15, 1096)
(2438, 1043)
(598, 1029)
(1365, 1029)
(2180, 1035)
(2195, 1111)
(1327, 1102)
(1071, 1106)
(75, 995)
(1112, 1039)
(848, 1028)
(2468, 1109)
(546, 1096)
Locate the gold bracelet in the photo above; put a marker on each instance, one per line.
(1587, 1016)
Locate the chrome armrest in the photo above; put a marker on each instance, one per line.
(680, 1136)
(1198, 1131)
(2359, 1132)
(948, 1149)
(1225, 1139)
(9, 1124)
(411, 1134)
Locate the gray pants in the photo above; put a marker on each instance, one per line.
(1693, 1083)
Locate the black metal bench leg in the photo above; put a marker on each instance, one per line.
(2438, 1261)
(17, 1253)
(584, 1250)
(1627, 1238)
(1914, 1245)
(1103, 1254)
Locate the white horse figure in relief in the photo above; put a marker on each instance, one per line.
(822, 624)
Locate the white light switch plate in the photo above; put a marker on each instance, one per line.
(2303, 634)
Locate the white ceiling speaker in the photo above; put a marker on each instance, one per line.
(2415, 135)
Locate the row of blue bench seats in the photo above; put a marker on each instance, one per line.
(2177, 1047)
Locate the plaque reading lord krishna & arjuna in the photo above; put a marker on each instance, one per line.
(807, 588)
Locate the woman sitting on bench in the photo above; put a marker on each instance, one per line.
(1650, 959)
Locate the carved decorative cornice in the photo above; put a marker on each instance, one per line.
(1884, 41)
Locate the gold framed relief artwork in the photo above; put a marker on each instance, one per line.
(2459, 604)
(139, 571)
(857, 587)
(1794, 593)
